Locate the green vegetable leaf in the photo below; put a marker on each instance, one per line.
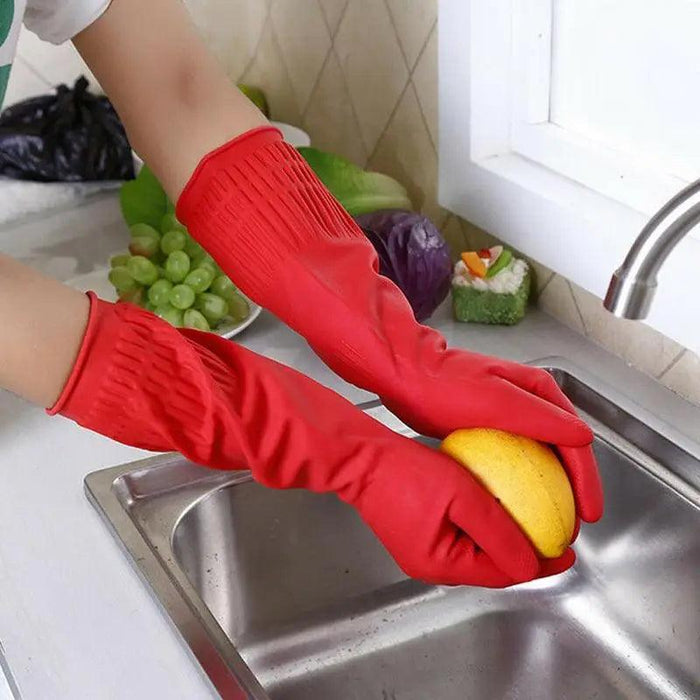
(501, 262)
(359, 191)
(143, 200)
(256, 96)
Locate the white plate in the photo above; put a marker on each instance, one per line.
(228, 328)
(96, 281)
(293, 135)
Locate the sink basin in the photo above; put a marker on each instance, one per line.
(288, 595)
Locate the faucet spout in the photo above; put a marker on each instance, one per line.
(633, 284)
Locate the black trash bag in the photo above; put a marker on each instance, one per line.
(67, 137)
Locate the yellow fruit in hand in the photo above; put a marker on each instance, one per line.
(526, 477)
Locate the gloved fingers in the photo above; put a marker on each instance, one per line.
(537, 381)
(518, 411)
(480, 516)
(550, 567)
(468, 565)
(582, 469)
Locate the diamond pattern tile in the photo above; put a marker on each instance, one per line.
(329, 117)
(641, 346)
(231, 28)
(413, 20)
(425, 79)
(333, 12)
(684, 377)
(23, 83)
(476, 238)
(269, 72)
(558, 301)
(453, 234)
(374, 68)
(406, 153)
(303, 37)
(53, 64)
(542, 275)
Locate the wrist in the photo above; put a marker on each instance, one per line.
(254, 204)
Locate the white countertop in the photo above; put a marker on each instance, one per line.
(75, 619)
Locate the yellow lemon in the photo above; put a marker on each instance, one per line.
(526, 477)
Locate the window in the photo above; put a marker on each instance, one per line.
(564, 124)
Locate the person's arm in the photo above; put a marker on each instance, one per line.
(175, 100)
(257, 207)
(131, 376)
(177, 104)
(122, 372)
(145, 383)
(43, 322)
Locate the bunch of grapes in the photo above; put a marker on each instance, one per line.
(169, 273)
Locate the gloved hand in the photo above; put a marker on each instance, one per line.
(142, 382)
(273, 227)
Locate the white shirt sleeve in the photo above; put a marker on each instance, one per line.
(60, 20)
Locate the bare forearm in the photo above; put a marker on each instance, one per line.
(177, 105)
(43, 324)
(176, 102)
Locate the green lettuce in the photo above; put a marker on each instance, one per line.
(359, 191)
(143, 200)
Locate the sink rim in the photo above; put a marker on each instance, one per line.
(205, 641)
(154, 559)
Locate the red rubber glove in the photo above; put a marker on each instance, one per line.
(142, 382)
(257, 207)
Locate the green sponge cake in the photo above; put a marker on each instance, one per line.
(490, 286)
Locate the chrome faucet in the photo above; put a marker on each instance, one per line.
(632, 286)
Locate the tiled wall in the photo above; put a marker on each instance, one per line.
(38, 66)
(361, 77)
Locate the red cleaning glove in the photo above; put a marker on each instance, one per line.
(257, 207)
(141, 381)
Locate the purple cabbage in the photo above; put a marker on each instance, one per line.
(413, 254)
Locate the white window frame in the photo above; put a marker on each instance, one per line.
(558, 197)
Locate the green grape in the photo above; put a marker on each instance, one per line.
(119, 260)
(194, 319)
(144, 245)
(223, 286)
(238, 308)
(121, 279)
(143, 231)
(197, 259)
(173, 240)
(177, 265)
(159, 292)
(181, 296)
(169, 222)
(193, 249)
(142, 269)
(213, 308)
(208, 262)
(199, 279)
(134, 296)
(170, 314)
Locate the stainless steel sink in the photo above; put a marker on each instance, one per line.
(287, 595)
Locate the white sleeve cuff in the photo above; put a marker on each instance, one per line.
(57, 21)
